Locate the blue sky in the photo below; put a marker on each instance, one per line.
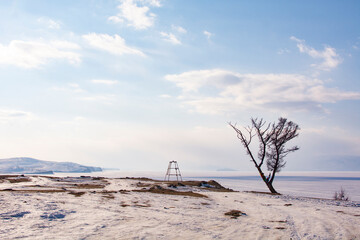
(134, 84)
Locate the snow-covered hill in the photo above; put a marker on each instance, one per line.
(31, 165)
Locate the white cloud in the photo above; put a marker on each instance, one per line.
(208, 34)
(10, 114)
(71, 87)
(87, 96)
(169, 37)
(136, 13)
(104, 81)
(283, 51)
(116, 19)
(179, 29)
(65, 45)
(218, 91)
(105, 99)
(114, 45)
(155, 3)
(356, 46)
(329, 56)
(49, 23)
(31, 54)
(165, 96)
(79, 118)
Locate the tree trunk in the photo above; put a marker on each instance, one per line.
(268, 184)
(271, 188)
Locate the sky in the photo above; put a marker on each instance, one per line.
(134, 84)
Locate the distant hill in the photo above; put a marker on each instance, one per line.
(34, 166)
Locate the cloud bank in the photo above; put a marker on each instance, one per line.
(330, 59)
(171, 38)
(218, 91)
(112, 44)
(33, 54)
(11, 114)
(136, 13)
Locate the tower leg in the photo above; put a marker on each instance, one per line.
(173, 165)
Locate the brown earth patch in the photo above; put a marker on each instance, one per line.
(107, 192)
(209, 185)
(140, 184)
(123, 191)
(141, 179)
(88, 186)
(35, 190)
(142, 205)
(18, 180)
(77, 194)
(235, 213)
(266, 193)
(14, 178)
(108, 196)
(205, 204)
(171, 192)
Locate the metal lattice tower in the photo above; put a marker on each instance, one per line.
(177, 171)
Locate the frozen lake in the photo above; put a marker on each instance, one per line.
(308, 184)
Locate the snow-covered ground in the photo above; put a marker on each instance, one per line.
(93, 208)
(309, 184)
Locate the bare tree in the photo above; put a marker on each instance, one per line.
(272, 139)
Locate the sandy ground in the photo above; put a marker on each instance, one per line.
(93, 208)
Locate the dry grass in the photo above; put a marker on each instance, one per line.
(8, 176)
(205, 204)
(14, 178)
(18, 180)
(142, 205)
(341, 195)
(209, 185)
(214, 186)
(171, 192)
(88, 186)
(141, 179)
(123, 191)
(266, 193)
(77, 194)
(35, 190)
(140, 184)
(235, 213)
(108, 196)
(49, 177)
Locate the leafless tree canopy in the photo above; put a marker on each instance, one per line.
(272, 139)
